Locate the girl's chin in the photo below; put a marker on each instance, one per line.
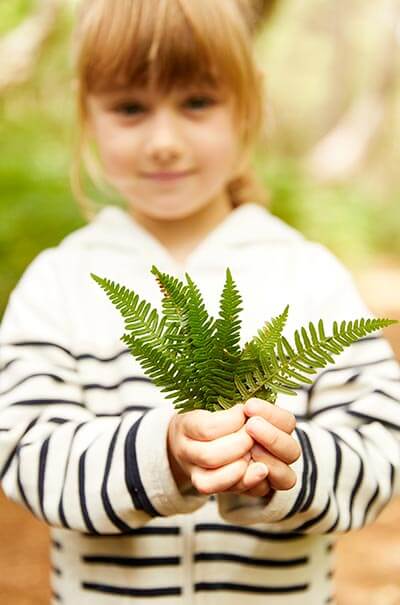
(166, 210)
(172, 215)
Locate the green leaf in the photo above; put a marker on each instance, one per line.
(197, 361)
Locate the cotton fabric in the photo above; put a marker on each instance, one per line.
(83, 432)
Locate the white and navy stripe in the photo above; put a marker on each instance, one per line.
(83, 431)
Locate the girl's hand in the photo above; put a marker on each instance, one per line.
(271, 428)
(209, 448)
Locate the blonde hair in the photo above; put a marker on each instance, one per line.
(169, 44)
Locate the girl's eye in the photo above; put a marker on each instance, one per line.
(129, 109)
(199, 102)
(132, 108)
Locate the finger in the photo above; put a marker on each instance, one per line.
(279, 443)
(203, 425)
(218, 452)
(255, 473)
(218, 480)
(279, 417)
(280, 476)
(261, 490)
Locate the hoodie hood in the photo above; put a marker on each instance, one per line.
(248, 223)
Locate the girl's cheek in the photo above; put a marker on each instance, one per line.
(116, 151)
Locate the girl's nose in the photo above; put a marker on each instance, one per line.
(164, 144)
(164, 155)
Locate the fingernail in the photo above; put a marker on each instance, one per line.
(255, 422)
(260, 469)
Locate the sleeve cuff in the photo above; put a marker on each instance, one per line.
(247, 510)
(153, 463)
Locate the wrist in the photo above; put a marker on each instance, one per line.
(179, 475)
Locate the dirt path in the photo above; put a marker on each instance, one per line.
(368, 561)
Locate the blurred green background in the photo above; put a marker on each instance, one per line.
(329, 162)
(330, 154)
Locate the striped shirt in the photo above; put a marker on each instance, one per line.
(83, 430)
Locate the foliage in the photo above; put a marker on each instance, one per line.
(36, 206)
(12, 13)
(355, 220)
(197, 359)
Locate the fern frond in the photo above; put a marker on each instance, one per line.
(202, 331)
(266, 338)
(175, 310)
(134, 311)
(164, 371)
(197, 360)
(310, 354)
(225, 354)
(228, 325)
(175, 296)
(149, 339)
(269, 335)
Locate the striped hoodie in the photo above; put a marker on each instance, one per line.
(83, 430)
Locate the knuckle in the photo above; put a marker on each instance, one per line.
(202, 489)
(291, 480)
(285, 478)
(205, 458)
(278, 473)
(291, 421)
(180, 448)
(203, 433)
(237, 410)
(200, 484)
(273, 438)
(207, 429)
(296, 452)
(245, 444)
(198, 424)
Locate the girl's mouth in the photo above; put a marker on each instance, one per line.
(167, 176)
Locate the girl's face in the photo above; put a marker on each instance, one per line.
(168, 156)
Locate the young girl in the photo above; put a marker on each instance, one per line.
(146, 505)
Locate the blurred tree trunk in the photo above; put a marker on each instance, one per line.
(20, 48)
(332, 19)
(342, 150)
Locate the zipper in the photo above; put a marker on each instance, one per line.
(187, 529)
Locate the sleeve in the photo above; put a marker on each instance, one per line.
(350, 432)
(68, 466)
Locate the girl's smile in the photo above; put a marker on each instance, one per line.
(165, 176)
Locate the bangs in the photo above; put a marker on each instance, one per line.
(163, 43)
(166, 45)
